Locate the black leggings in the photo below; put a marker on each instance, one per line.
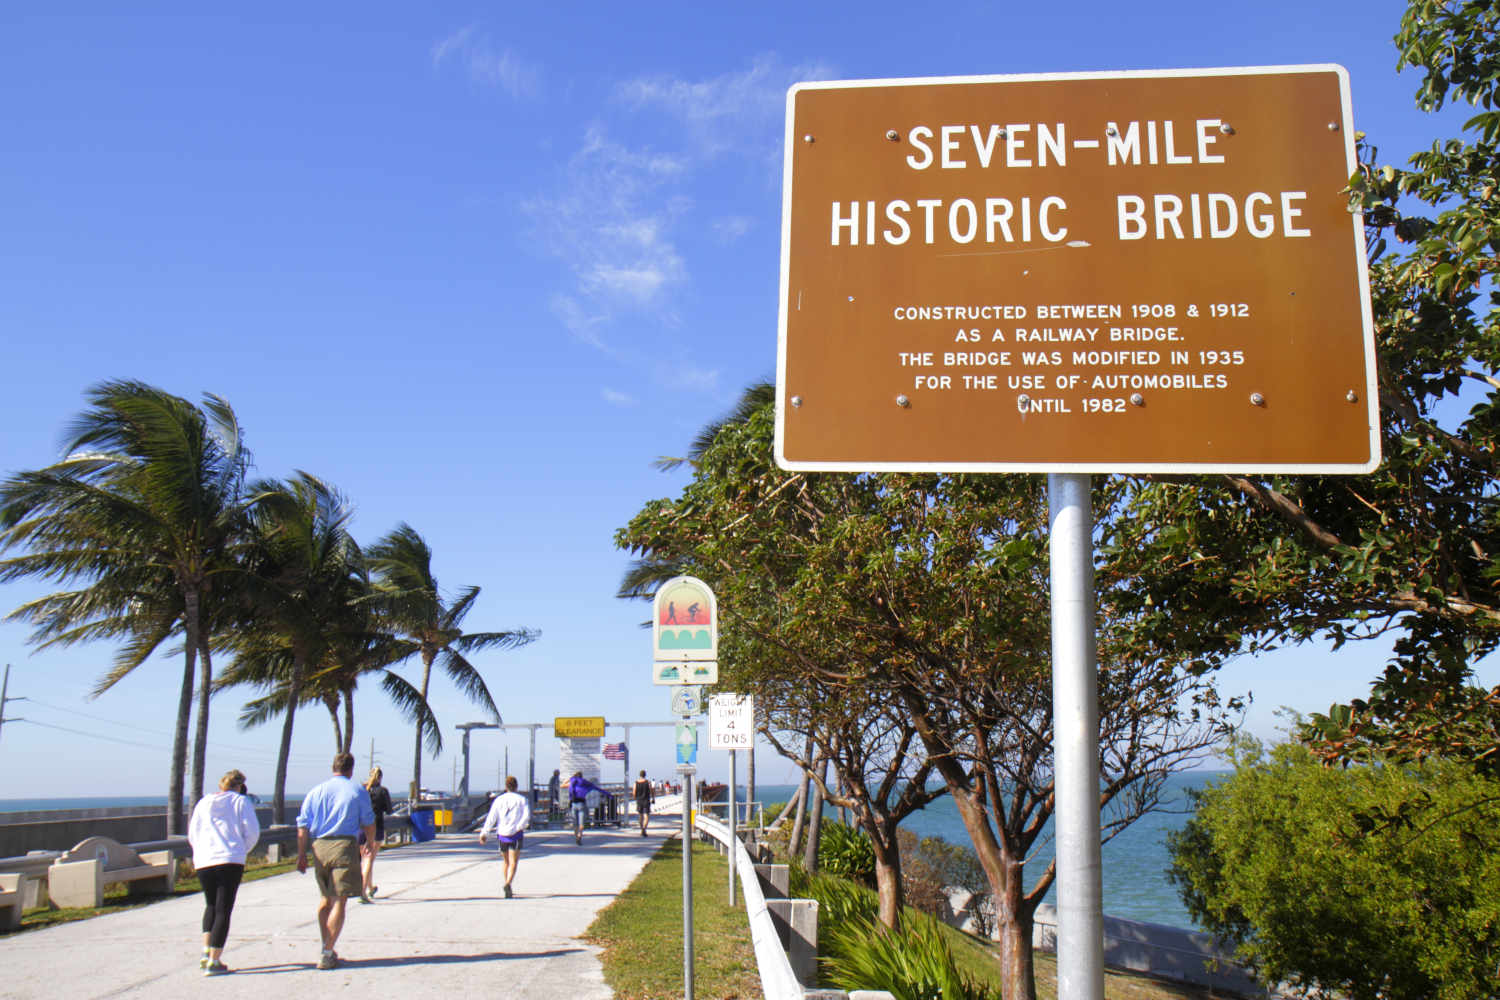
(220, 885)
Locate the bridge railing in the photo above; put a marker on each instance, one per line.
(783, 932)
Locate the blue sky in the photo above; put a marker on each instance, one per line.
(478, 265)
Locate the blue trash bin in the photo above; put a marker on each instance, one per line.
(422, 827)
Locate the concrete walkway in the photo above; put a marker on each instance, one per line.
(438, 927)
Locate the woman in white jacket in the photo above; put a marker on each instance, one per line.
(222, 831)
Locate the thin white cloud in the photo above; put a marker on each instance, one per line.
(691, 377)
(611, 223)
(617, 398)
(486, 64)
(622, 214)
(732, 228)
(580, 323)
(740, 111)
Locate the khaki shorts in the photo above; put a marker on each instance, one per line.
(336, 865)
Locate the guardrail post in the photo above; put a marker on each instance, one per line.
(775, 880)
(797, 924)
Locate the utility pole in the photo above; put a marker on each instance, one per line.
(5, 686)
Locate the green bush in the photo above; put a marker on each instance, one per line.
(846, 851)
(1375, 882)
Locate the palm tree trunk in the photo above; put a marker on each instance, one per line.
(176, 818)
(331, 703)
(200, 736)
(416, 766)
(349, 721)
(293, 695)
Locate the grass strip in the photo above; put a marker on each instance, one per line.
(641, 932)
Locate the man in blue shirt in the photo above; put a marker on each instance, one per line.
(332, 816)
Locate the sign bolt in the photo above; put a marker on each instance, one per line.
(902, 400)
(1136, 399)
(893, 135)
(796, 401)
(1226, 129)
(1256, 399)
(1352, 396)
(1022, 402)
(1333, 126)
(807, 138)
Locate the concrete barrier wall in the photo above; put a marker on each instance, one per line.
(60, 829)
(1168, 952)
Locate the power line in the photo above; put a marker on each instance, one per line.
(93, 736)
(213, 744)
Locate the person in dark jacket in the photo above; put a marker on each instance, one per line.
(578, 798)
(644, 797)
(380, 801)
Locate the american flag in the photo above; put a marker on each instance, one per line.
(614, 751)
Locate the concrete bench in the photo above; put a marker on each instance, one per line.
(79, 876)
(10, 902)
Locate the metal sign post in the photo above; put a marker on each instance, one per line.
(733, 844)
(731, 726)
(687, 771)
(1075, 728)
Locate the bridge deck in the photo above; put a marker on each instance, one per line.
(438, 927)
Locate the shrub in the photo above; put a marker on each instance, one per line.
(914, 963)
(846, 851)
(1375, 881)
(931, 866)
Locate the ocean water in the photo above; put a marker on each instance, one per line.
(1135, 860)
(83, 802)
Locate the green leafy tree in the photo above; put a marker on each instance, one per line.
(1238, 563)
(920, 595)
(147, 510)
(430, 626)
(1370, 882)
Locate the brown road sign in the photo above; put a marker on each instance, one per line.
(1145, 271)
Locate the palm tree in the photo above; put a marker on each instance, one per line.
(355, 647)
(411, 606)
(306, 568)
(146, 508)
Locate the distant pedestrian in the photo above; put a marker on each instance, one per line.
(509, 816)
(221, 832)
(554, 808)
(332, 816)
(578, 799)
(380, 803)
(645, 796)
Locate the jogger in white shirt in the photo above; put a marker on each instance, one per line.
(509, 816)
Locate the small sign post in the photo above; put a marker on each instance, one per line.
(686, 771)
(731, 726)
(685, 651)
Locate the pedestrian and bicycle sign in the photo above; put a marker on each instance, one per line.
(685, 633)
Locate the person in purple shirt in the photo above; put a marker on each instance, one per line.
(333, 814)
(578, 797)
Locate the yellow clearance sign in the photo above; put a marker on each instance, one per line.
(578, 727)
(1147, 271)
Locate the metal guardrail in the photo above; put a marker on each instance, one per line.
(777, 981)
